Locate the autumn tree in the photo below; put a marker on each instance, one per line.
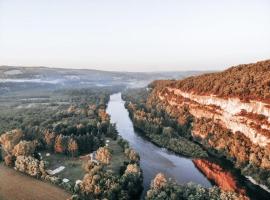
(89, 184)
(88, 166)
(49, 138)
(9, 160)
(103, 155)
(73, 147)
(159, 181)
(30, 165)
(24, 148)
(9, 139)
(133, 168)
(61, 144)
(132, 155)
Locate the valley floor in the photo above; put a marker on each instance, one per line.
(17, 186)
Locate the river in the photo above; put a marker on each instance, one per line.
(155, 159)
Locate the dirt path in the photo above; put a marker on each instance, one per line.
(16, 186)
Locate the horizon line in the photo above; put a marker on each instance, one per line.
(118, 71)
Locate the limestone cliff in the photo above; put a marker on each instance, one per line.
(230, 110)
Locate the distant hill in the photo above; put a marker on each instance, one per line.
(14, 78)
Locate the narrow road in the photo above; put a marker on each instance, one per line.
(17, 186)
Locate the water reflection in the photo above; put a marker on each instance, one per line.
(222, 178)
(153, 158)
(181, 169)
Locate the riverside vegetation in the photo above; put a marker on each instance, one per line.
(159, 127)
(69, 126)
(224, 115)
(166, 132)
(42, 131)
(64, 130)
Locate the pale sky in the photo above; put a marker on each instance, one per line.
(138, 35)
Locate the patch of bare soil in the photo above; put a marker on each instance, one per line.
(17, 186)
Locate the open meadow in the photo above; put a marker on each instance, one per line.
(17, 186)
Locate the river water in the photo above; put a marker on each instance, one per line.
(155, 159)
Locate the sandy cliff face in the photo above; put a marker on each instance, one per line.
(239, 128)
(227, 118)
(231, 113)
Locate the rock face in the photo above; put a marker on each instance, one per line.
(242, 129)
(230, 110)
(251, 119)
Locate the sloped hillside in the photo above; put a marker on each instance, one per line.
(230, 113)
(246, 82)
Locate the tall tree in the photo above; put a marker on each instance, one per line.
(73, 147)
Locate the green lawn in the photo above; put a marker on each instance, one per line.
(73, 166)
(118, 157)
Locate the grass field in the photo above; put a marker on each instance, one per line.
(73, 166)
(17, 186)
(118, 156)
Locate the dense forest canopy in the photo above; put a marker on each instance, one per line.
(249, 81)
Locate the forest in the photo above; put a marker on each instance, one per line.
(162, 188)
(172, 128)
(247, 82)
(70, 128)
(159, 127)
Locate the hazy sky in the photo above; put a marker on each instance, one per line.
(138, 35)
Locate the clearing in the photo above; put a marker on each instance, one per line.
(72, 166)
(118, 156)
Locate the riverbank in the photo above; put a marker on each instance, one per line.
(159, 129)
(227, 177)
(153, 158)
